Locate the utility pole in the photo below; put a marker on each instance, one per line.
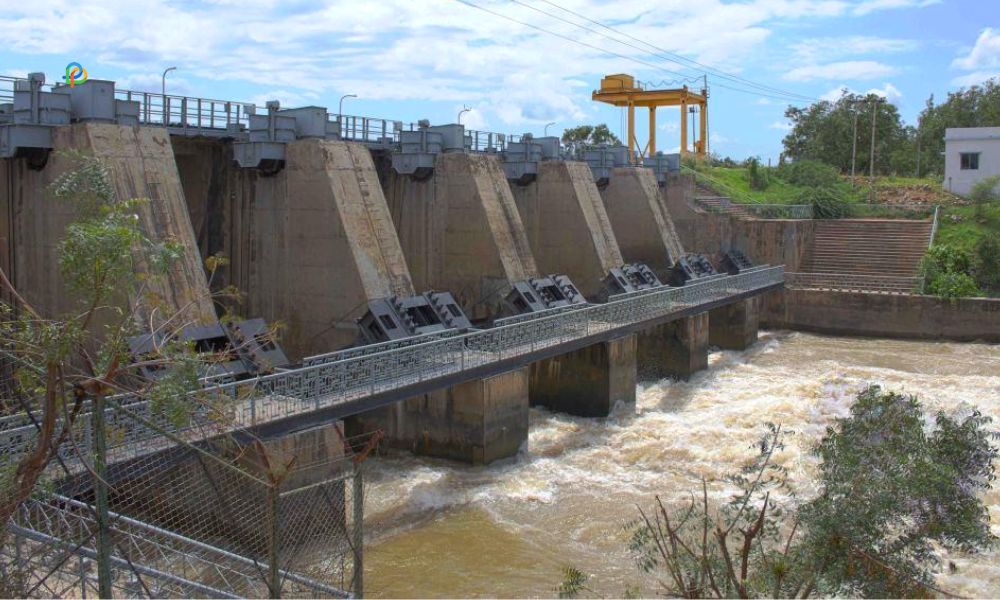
(854, 143)
(871, 163)
(918, 151)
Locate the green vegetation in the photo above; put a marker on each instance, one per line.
(947, 271)
(893, 491)
(63, 362)
(966, 258)
(825, 131)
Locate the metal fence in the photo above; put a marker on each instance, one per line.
(854, 282)
(235, 518)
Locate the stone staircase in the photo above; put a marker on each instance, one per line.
(877, 254)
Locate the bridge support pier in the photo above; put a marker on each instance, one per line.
(475, 422)
(588, 382)
(675, 349)
(734, 326)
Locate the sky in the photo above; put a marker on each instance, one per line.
(520, 64)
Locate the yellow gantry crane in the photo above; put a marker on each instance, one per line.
(621, 90)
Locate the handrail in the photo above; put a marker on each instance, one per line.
(890, 284)
(310, 388)
(934, 226)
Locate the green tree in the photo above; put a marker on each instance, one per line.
(947, 272)
(823, 132)
(61, 363)
(891, 492)
(976, 106)
(590, 135)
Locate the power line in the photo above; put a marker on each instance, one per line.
(677, 57)
(568, 39)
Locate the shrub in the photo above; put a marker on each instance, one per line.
(809, 173)
(986, 262)
(983, 193)
(825, 204)
(757, 176)
(947, 271)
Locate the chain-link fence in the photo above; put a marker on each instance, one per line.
(229, 516)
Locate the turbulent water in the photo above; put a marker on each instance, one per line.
(507, 529)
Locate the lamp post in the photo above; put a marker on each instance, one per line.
(340, 112)
(163, 91)
(464, 110)
(545, 132)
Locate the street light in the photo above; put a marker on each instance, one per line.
(340, 106)
(464, 110)
(163, 91)
(545, 132)
(163, 80)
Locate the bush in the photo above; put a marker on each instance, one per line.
(986, 262)
(825, 204)
(947, 271)
(809, 173)
(983, 193)
(757, 176)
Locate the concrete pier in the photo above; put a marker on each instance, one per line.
(734, 326)
(461, 231)
(310, 246)
(476, 422)
(588, 382)
(641, 221)
(567, 226)
(675, 349)
(141, 165)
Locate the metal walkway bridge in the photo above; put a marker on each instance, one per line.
(336, 385)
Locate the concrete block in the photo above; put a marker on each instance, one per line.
(734, 326)
(675, 349)
(587, 382)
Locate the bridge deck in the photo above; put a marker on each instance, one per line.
(348, 384)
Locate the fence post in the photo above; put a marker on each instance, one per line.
(358, 543)
(101, 499)
(273, 540)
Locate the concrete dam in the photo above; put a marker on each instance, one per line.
(431, 283)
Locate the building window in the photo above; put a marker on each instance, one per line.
(970, 161)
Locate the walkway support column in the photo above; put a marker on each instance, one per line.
(652, 131)
(734, 326)
(675, 349)
(588, 382)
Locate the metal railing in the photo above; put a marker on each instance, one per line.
(485, 141)
(863, 210)
(853, 282)
(779, 211)
(934, 226)
(348, 378)
(370, 130)
(189, 114)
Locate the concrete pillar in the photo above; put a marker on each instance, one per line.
(588, 382)
(141, 165)
(675, 349)
(476, 422)
(643, 226)
(734, 326)
(461, 232)
(567, 225)
(311, 245)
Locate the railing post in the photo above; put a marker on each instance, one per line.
(358, 536)
(145, 107)
(273, 540)
(103, 543)
(184, 121)
(199, 113)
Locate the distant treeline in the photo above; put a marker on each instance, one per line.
(822, 131)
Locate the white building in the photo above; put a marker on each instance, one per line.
(971, 154)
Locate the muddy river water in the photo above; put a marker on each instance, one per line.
(443, 529)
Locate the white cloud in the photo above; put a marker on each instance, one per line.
(764, 101)
(983, 60)
(849, 69)
(433, 50)
(887, 91)
(984, 55)
(781, 125)
(815, 50)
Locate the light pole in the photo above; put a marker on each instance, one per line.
(340, 113)
(545, 131)
(464, 110)
(163, 80)
(163, 91)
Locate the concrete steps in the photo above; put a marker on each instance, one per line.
(868, 247)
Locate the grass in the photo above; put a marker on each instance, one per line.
(957, 225)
